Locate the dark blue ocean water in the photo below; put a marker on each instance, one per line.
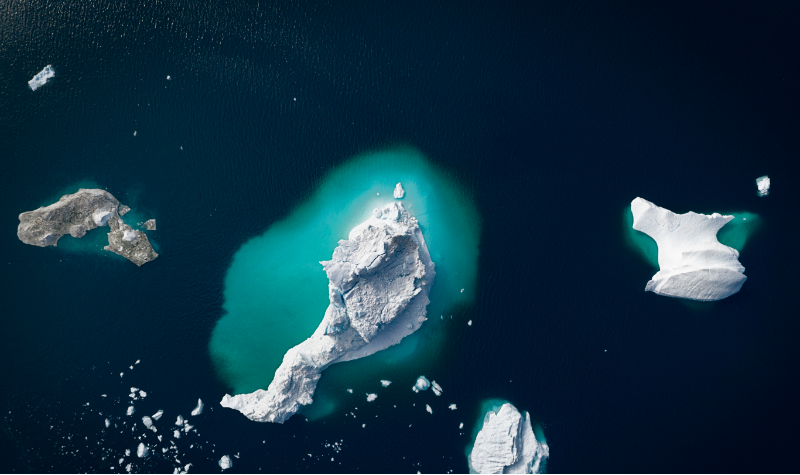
(553, 116)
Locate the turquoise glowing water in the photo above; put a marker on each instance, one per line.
(276, 291)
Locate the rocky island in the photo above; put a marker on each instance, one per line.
(379, 279)
(693, 263)
(79, 213)
(506, 444)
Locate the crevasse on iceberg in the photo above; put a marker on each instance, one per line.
(506, 444)
(379, 281)
(693, 263)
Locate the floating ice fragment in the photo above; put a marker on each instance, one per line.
(137, 361)
(399, 191)
(176, 434)
(371, 397)
(158, 415)
(133, 390)
(385, 383)
(108, 423)
(428, 408)
(41, 77)
(469, 323)
(169, 78)
(199, 409)
(159, 438)
(129, 467)
(421, 385)
(120, 375)
(134, 133)
(148, 423)
(452, 407)
(142, 394)
(131, 410)
(763, 185)
(180, 421)
(436, 388)
(127, 452)
(142, 451)
(461, 426)
(225, 462)
(350, 391)
(187, 427)
(462, 291)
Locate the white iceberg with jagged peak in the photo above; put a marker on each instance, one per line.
(378, 290)
(762, 183)
(693, 264)
(41, 77)
(506, 444)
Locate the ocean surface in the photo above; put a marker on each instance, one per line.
(531, 127)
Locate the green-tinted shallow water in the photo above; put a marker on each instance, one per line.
(276, 291)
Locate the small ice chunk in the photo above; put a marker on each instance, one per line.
(41, 77)
(148, 422)
(461, 426)
(129, 467)
(350, 391)
(142, 451)
(462, 291)
(371, 397)
(421, 385)
(129, 235)
(180, 421)
(469, 323)
(158, 415)
(120, 375)
(134, 133)
(428, 408)
(138, 361)
(763, 185)
(127, 452)
(452, 407)
(385, 383)
(225, 462)
(131, 410)
(133, 390)
(142, 394)
(176, 434)
(399, 192)
(187, 427)
(159, 438)
(436, 388)
(169, 78)
(108, 423)
(199, 409)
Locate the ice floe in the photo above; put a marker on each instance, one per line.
(428, 408)
(371, 397)
(142, 451)
(436, 388)
(199, 409)
(385, 383)
(130, 411)
(421, 385)
(763, 185)
(225, 462)
(452, 407)
(41, 77)
(158, 415)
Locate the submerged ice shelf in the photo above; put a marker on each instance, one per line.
(506, 444)
(379, 281)
(693, 263)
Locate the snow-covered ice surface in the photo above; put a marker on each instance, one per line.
(763, 185)
(694, 264)
(41, 77)
(506, 444)
(379, 279)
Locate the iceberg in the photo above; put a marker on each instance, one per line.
(158, 415)
(506, 444)
(452, 407)
(41, 77)
(385, 383)
(199, 409)
(379, 280)
(693, 263)
(421, 385)
(179, 422)
(148, 422)
(225, 462)
(428, 408)
(399, 192)
(371, 397)
(131, 410)
(763, 185)
(436, 388)
(142, 451)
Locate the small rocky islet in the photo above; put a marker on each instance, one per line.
(78, 213)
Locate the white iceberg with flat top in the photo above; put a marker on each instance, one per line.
(693, 264)
(762, 183)
(506, 444)
(41, 77)
(378, 290)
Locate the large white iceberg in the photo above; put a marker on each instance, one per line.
(41, 77)
(378, 289)
(693, 264)
(763, 185)
(506, 444)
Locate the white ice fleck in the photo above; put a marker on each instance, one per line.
(108, 423)
(469, 323)
(385, 383)
(131, 410)
(350, 391)
(180, 421)
(428, 408)
(371, 397)
(452, 407)
(461, 426)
